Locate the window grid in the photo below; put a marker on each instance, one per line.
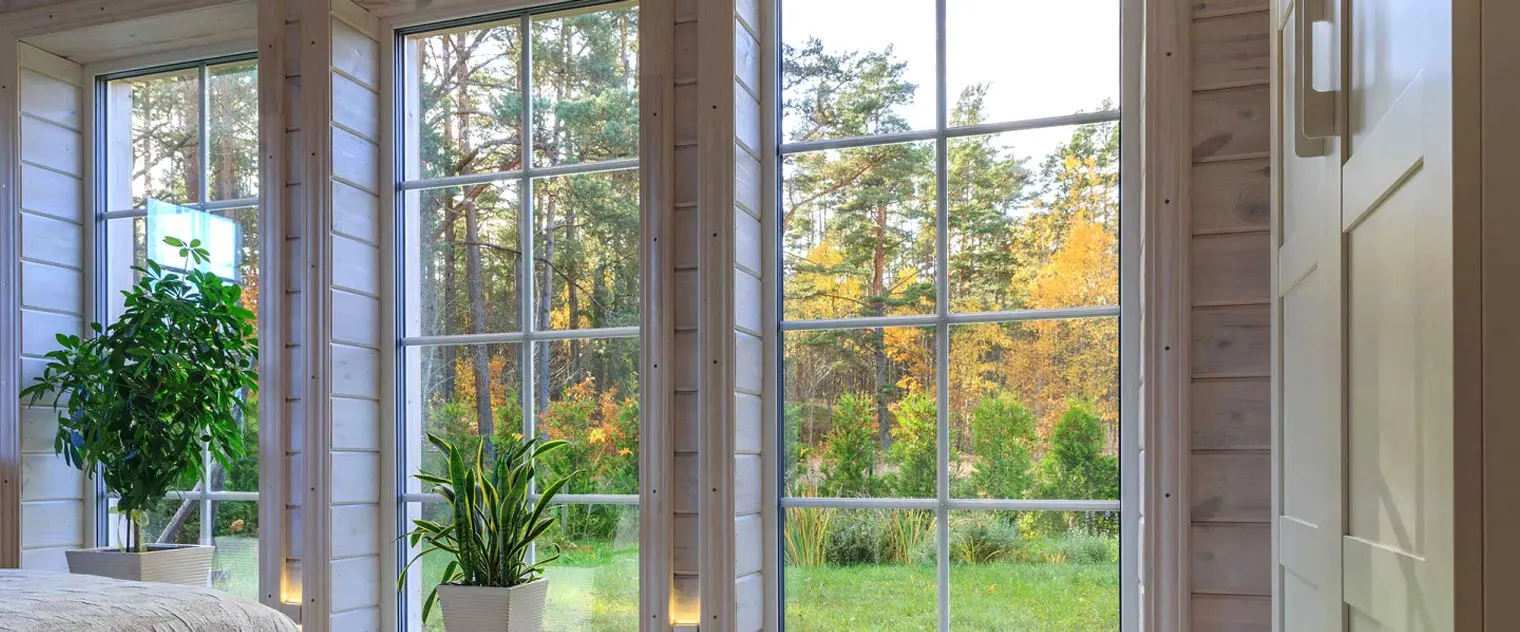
(941, 320)
(201, 492)
(528, 335)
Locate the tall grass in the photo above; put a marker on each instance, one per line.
(906, 530)
(807, 535)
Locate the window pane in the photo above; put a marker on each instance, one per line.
(459, 392)
(1034, 219)
(234, 130)
(1034, 409)
(859, 569)
(1052, 58)
(235, 567)
(857, 68)
(587, 393)
(464, 252)
(585, 86)
(164, 118)
(470, 100)
(860, 413)
(858, 232)
(1034, 571)
(593, 586)
(586, 251)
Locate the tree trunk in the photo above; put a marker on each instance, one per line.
(878, 337)
(474, 280)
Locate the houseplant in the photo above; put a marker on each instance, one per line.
(488, 585)
(139, 400)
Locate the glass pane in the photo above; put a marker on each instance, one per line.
(585, 86)
(587, 393)
(858, 68)
(586, 251)
(459, 392)
(464, 252)
(1052, 58)
(235, 567)
(858, 232)
(470, 100)
(859, 569)
(594, 585)
(1034, 219)
(233, 95)
(1034, 409)
(165, 135)
(860, 414)
(1034, 571)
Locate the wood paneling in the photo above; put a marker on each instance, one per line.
(1231, 486)
(1214, 8)
(1231, 268)
(1231, 341)
(1231, 51)
(1231, 196)
(1231, 124)
(1217, 613)
(1231, 413)
(1232, 559)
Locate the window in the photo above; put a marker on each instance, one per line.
(519, 279)
(949, 314)
(178, 157)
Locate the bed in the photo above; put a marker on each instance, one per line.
(33, 601)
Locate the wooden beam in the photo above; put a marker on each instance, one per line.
(10, 321)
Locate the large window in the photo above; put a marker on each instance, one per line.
(178, 157)
(949, 319)
(519, 279)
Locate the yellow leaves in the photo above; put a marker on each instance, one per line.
(1084, 271)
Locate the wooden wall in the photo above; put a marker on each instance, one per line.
(53, 249)
(1228, 404)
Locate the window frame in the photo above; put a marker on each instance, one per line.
(404, 160)
(98, 109)
(1126, 115)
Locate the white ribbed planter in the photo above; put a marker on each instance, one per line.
(188, 564)
(487, 609)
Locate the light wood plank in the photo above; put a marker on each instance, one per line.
(361, 620)
(52, 241)
(686, 176)
(39, 331)
(749, 424)
(52, 194)
(1231, 124)
(49, 145)
(747, 121)
(749, 360)
(355, 583)
(1231, 268)
(1231, 559)
(748, 12)
(686, 11)
(748, 300)
(749, 559)
(1231, 413)
(356, 160)
(51, 287)
(356, 107)
(684, 542)
(749, 607)
(356, 266)
(686, 482)
(747, 242)
(686, 115)
(1231, 341)
(1231, 486)
(1211, 8)
(1231, 196)
(48, 477)
(52, 523)
(354, 478)
(48, 98)
(355, 531)
(1213, 613)
(356, 55)
(747, 63)
(39, 427)
(687, 435)
(52, 559)
(356, 319)
(685, 361)
(749, 487)
(685, 293)
(686, 53)
(684, 251)
(356, 424)
(38, 60)
(355, 371)
(1231, 51)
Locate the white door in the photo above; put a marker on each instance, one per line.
(1365, 321)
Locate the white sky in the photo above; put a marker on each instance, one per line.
(1040, 57)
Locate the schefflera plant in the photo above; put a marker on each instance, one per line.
(139, 399)
(494, 517)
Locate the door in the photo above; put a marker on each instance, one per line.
(1364, 304)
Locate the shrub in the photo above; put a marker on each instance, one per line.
(913, 446)
(1076, 548)
(1075, 467)
(849, 456)
(1003, 433)
(905, 532)
(980, 538)
(857, 537)
(807, 533)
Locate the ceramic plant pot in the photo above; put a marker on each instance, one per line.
(489, 609)
(188, 564)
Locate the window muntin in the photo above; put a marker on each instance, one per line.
(949, 316)
(550, 349)
(157, 179)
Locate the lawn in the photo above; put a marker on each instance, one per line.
(596, 590)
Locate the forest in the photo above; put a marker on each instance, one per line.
(1033, 403)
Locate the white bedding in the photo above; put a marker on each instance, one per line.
(32, 601)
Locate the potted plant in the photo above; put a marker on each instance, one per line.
(139, 400)
(488, 586)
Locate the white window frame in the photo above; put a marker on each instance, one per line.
(103, 214)
(1127, 312)
(409, 431)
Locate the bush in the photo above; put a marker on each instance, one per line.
(1072, 548)
(981, 538)
(849, 456)
(913, 446)
(857, 537)
(1075, 467)
(1003, 432)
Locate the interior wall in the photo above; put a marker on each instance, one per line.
(1229, 431)
(54, 227)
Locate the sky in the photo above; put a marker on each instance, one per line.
(1040, 57)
